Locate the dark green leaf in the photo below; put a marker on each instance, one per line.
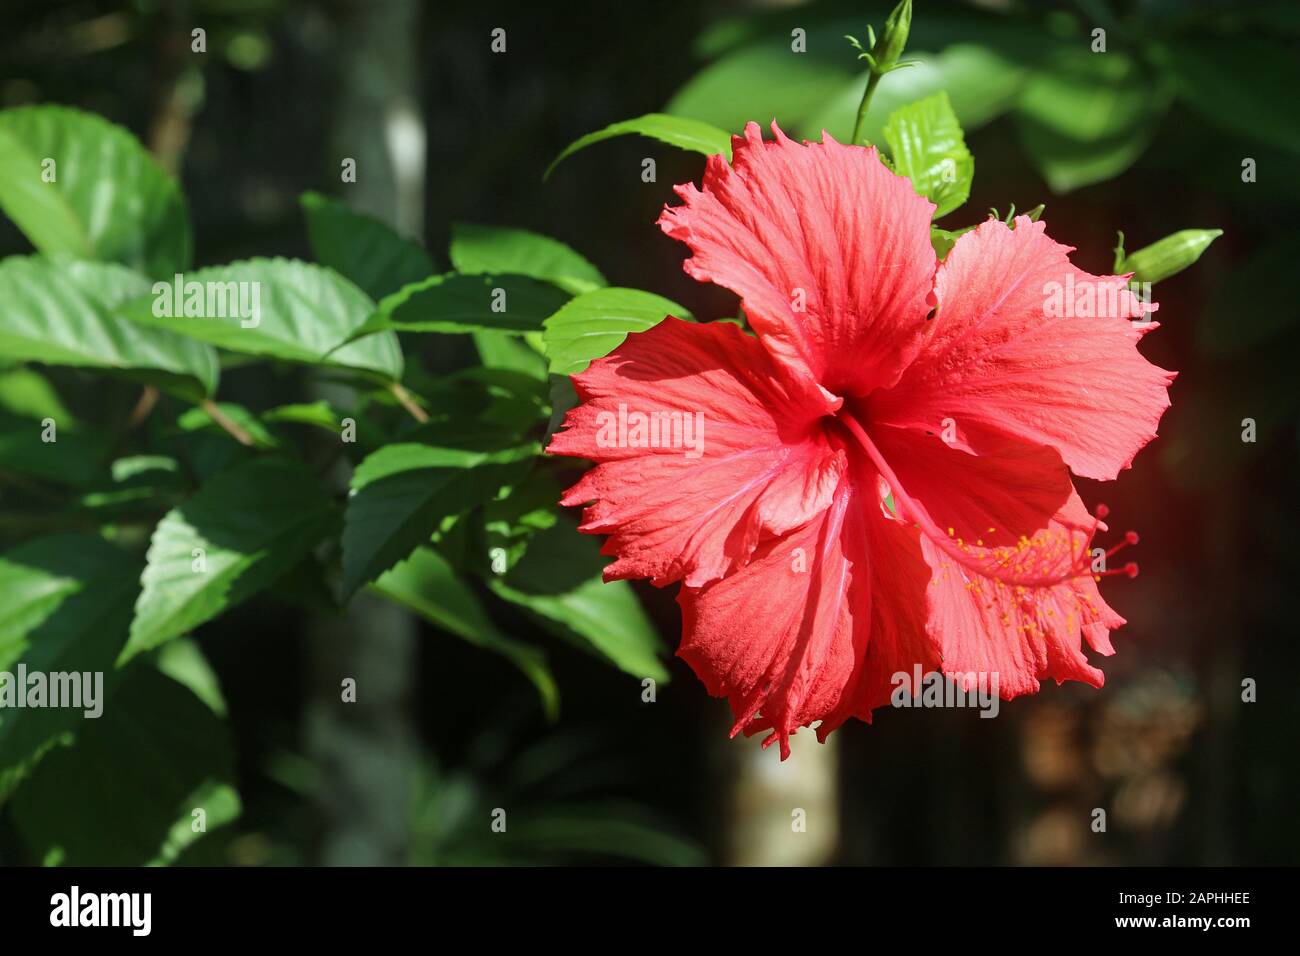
(369, 252)
(468, 303)
(67, 606)
(1252, 307)
(251, 524)
(1244, 85)
(125, 793)
(559, 580)
(426, 584)
(402, 493)
(26, 401)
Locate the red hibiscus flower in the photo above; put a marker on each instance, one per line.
(879, 477)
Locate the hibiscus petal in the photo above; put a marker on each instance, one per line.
(1012, 489)
(816, 625)
(1020, 633)
(1012, 598)
(829, 251)
(998, 353)
(761, 465)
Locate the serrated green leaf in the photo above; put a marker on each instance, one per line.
(595, 323)
(688, 134)
(108, 199)
(455, 303)
(927, 146)
(156, 755)
(304, 313)
(369, 252)
(559, 580)
(1169, 256)
(428, 585)
(402, 493)
(493, 250)
(67, 605)
(252, 523)
(61, 312)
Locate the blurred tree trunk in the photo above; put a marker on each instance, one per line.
(779, 813)
(366, 750)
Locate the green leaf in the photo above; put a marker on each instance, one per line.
(942, 240)
(501, 350)
(67, 606)
(760, 82)
(1170, 256)
(364, 249)
(559, 580)
(26, 400)
(489, 249)
(458, 303)
(252, 524)
(927, 146)
(1251, 309)
(141, 770)
(594, 324)
(199, 419)
(319, 413)
(510, 522)
(138, 483)
(279, 308)
(61, 313)
(108, 199)
(402, 493)
(1089, 117)
(1244, 85)
(183, 662)
(688, 134)
(428, 585)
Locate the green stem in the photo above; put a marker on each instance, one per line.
(863, 106)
